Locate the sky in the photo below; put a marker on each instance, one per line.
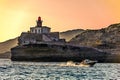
(18, 16)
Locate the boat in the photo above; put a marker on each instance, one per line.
(87, 62)
(84, 63)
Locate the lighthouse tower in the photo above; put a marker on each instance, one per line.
(39, 22)
(39, 29)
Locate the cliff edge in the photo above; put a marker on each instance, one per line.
(56, 53)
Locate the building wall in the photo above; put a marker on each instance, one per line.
(46, 38)
(27, 38)
(36, 30)
(45, 30)
(54, 36)
(40, 30)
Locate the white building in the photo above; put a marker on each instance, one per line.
(40, 30)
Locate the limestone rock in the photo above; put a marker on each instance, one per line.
(107, 39)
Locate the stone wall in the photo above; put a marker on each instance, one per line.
(27, 38)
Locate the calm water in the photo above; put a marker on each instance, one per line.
(53, 71)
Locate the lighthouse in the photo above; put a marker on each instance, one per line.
(39, 29)
(39, 22)
(39, 34)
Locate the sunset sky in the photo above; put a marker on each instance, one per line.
(17, 16)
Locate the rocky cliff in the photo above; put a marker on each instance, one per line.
(56, 53)
(7, 45)
(106, 39)
(68, 35)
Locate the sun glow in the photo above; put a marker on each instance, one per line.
(17, 16)
(12, 24)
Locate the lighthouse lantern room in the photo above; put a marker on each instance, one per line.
(39, 28)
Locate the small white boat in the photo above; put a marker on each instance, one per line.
(84, 63)
(88, 62)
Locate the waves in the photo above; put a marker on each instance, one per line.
(53, 71)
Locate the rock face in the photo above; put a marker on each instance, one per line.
(7, 45)
(56, 53)
(6, 55)
(106, 39)
(68, 35)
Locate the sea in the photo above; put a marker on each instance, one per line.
(10, 70)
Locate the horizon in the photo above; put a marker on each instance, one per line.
(18, 16)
